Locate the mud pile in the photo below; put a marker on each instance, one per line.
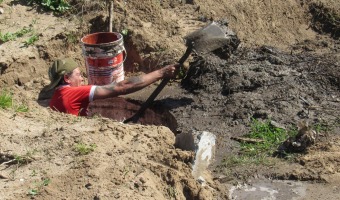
(263, 83)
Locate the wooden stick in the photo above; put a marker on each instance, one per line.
(3, 177)
(111, 16)
(8, 162)
(247, 140)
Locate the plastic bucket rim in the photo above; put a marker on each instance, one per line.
(91, 56)
(118, 41)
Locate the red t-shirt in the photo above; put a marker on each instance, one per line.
(72, 100)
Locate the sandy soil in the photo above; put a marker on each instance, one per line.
(284, 69)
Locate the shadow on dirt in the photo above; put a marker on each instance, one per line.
(119, 109)
(325, 20)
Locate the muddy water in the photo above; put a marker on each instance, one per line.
(264, 189)
(269, 190)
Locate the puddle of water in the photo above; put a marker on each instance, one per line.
(269, 190)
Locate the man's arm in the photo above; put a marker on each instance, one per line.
(133, 84)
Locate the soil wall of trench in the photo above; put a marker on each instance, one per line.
(284, 69)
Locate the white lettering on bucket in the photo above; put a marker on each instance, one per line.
(104, 54)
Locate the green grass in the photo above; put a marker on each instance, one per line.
(240, 159)
(260, 152)
(59, 6)
(125, 32)
(31, 40)
(6, 102)
(22, 159)
(21, 108)
(84, 149)
(324, 127)
(38, 187)
(24, 31)
(272, 137)
(5, 37)
(72, 38)
(26, 158)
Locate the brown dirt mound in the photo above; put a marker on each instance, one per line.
(283, 69)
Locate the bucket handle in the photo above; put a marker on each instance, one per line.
(124, 55)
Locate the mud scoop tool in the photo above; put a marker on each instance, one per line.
(207, 39)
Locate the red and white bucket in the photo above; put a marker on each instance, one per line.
(104, 54)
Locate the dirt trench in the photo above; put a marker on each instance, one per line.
(283, 70)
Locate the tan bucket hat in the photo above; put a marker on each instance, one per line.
(58, 69)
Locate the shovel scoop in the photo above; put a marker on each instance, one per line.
(207, 39)
(210, 38)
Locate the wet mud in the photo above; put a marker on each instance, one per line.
(262, 83)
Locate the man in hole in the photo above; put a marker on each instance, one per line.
(73, 97)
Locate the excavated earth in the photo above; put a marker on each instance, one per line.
(285, 69)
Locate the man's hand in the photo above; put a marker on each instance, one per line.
(169, 71)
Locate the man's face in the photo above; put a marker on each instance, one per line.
(76, 79)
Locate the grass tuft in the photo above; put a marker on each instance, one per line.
(38, 187)
(270, 136)
(5, 37)
(6, 102)
(59, 6)
(31, 40)
(84, 149)
(264, 140)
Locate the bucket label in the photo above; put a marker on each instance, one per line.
(105, 62)
(104, 54)
(111, 61)
(103, 75)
